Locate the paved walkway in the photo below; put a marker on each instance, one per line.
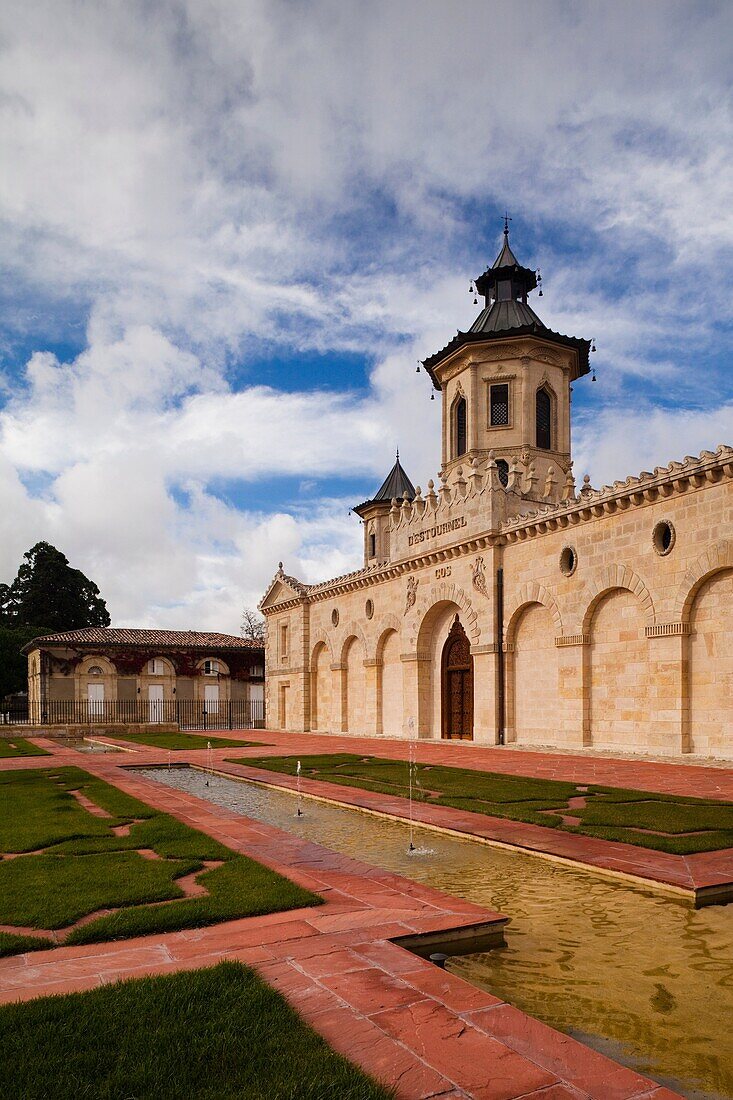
(421, 1029)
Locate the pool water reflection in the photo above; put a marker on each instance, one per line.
(635, 973)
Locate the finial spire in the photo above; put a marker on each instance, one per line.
(507, 219)
(398, 454)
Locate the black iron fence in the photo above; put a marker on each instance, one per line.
(232, 714)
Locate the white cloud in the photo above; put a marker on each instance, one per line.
(619, 442)
(196, 179)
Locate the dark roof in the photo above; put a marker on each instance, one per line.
(395, 484)
(535, 328)
(113, 636)
(505, 315)
(506, 257)
(506, 266)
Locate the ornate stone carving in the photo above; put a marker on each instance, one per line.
(411, 597)
(479, 577)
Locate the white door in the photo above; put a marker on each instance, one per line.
(95, 695)
(155, 703)
(211, 698)
(257, 703)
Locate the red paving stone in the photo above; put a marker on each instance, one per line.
(423, 1030)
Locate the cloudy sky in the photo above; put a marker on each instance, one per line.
(230, 227)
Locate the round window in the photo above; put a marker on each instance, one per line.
(663, 537)
(369, 609)
(568, 561)
(335, 617)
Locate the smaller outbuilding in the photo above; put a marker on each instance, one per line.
(107, 675)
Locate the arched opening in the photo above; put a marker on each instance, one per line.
(543, 417)
(321, 689)
(460, 435)
(711, 666)
(536, 704)
(354, 687)
(391, 685)
(457, 685)
(619, 672)
(502, 469)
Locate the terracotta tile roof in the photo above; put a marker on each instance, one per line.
(114, 636)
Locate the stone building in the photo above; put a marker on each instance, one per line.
(140, 675)
(504, 604)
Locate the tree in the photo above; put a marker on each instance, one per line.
(14, 664)
(253, 626)
(47, 590)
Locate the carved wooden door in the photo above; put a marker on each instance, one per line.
(457, 685)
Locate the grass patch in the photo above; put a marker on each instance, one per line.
(184, 740)
(641, 818)
(10, 944)
(86, 867)
(19, 746)
(209, 1034)
(239, 888)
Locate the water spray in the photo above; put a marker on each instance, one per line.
(297, 773)
(411, 774)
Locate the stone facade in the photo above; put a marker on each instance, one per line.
(598, 617)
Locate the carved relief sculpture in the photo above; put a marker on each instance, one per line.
(412, 583)
(479, 577)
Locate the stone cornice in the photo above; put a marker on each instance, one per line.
(668, 630)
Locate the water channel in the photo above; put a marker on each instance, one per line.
(633, 972)
(84, 744)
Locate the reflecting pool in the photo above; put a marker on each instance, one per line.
(82, 744)
(635, 973)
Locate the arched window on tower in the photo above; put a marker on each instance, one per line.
(502, 469)
(544, 420)
(460, 426)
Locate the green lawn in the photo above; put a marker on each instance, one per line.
(18, 746)
(184, 740)
(611, 813)
(210, 1034)
(85, 867)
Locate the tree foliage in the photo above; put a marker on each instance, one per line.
(13, 664)
(47, 590)
(253, 626)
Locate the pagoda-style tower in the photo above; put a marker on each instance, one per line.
(375, 513)
(506, 385)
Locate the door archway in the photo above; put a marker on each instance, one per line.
(457, 685)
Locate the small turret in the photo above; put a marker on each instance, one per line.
(374, 513)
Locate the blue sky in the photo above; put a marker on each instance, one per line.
(230, 228)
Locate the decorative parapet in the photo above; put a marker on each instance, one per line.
(667, 630)
(472, 501)
(573, 639)
(677, 478)
(711, 467)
